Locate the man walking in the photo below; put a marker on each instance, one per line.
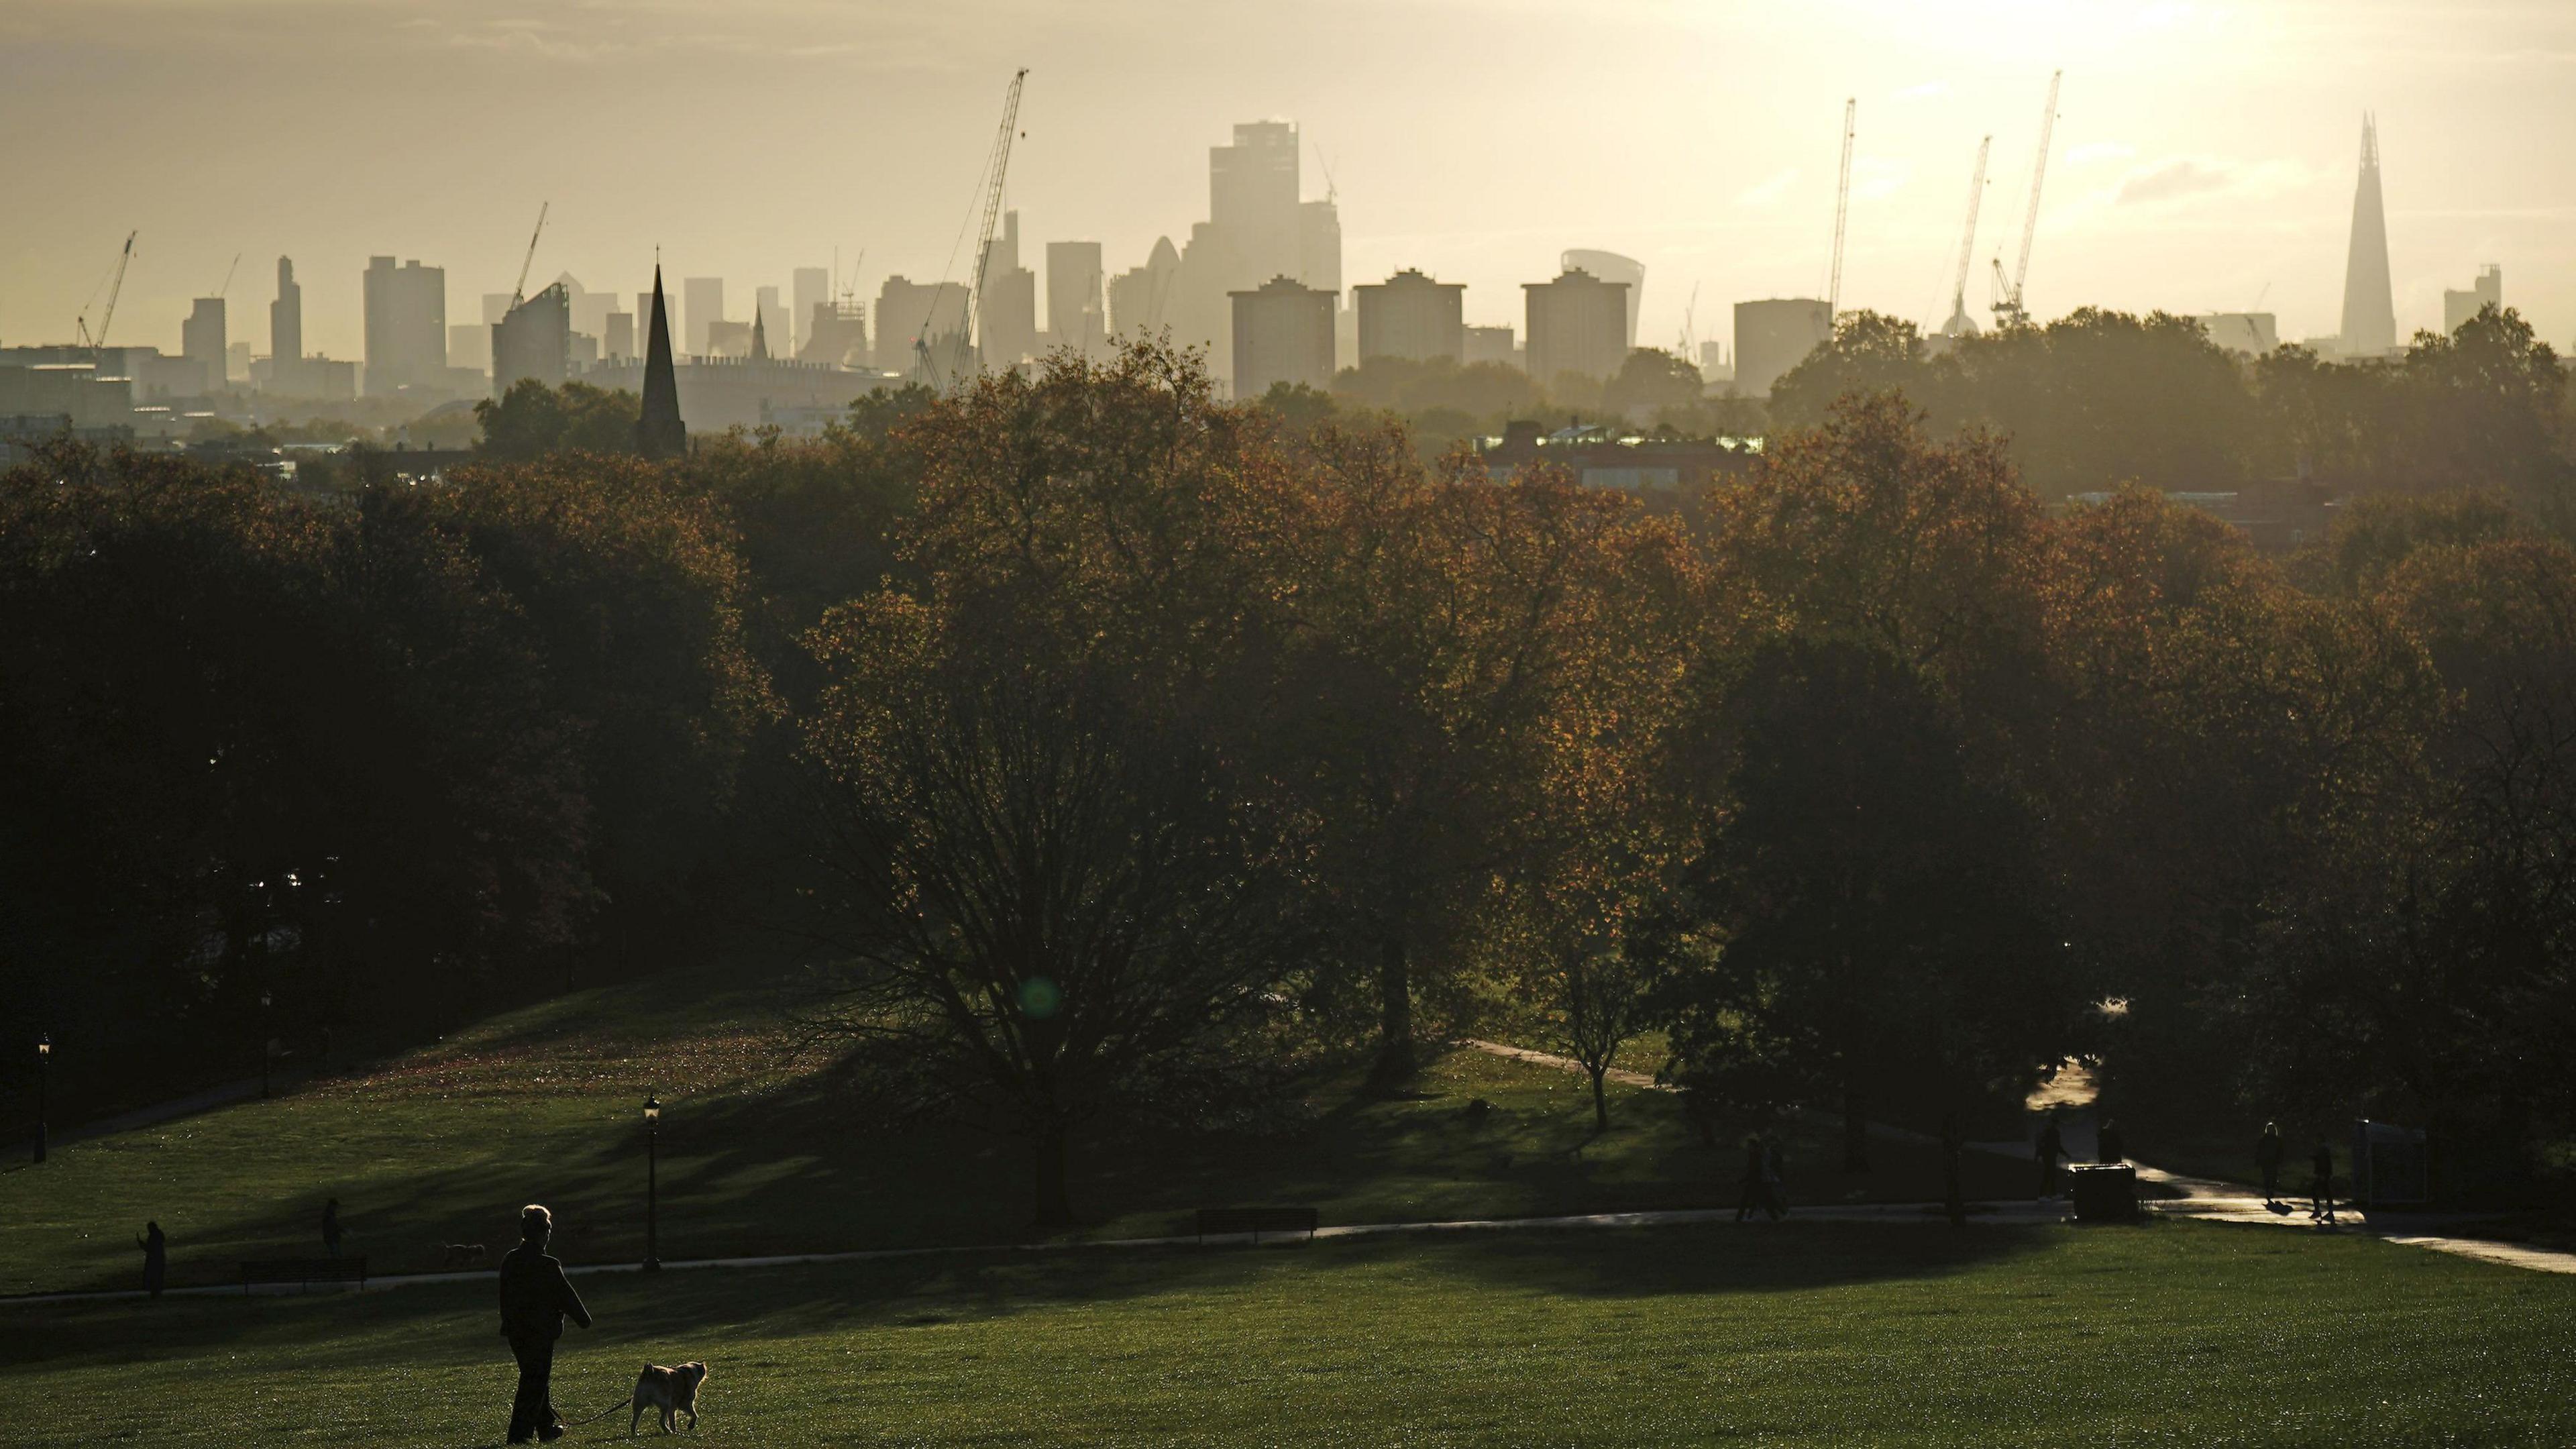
(535, 1296)
(2321, 1185)
(2267, 1157)
(2050, 1147)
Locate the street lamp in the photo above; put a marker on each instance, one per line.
(267, 1042)
(44, 1070)
(652, 1184)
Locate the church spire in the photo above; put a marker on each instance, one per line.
(659, 433)
(759, 337)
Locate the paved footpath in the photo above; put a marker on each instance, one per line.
(2202, 1199)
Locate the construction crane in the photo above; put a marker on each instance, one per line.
(2009, 311)
(98, 339)
(1690, 328)
(1960, 323)
(226, 288)
(996, 167)
(519, 291)
(1842, 209)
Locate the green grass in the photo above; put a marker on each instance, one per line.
(760, 1153)
(1796, 1334)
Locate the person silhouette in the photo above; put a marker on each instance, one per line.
(2321, 1206)
(535, 1297)
(2113, 1145)
(331, 1227)
(2267, 1158)
(1751, 1199)
(156, 1258)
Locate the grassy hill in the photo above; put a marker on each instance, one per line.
(760, 1153)
(1843, 1334)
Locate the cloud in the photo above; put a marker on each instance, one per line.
(1767, 192)
(2178, 178)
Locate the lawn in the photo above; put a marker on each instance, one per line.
(760, 1153)
(1791, 1334)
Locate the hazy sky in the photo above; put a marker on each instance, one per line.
(2204, 158)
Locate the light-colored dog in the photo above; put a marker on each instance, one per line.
(669, 1391)
(462, 1255)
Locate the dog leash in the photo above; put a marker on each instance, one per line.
(604, 1413)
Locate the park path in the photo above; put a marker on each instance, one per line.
(2201, 1199)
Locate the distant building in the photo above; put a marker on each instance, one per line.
(1283, 332)
(534, 342)
(1411, 316)
(1007, 314)
(1775, 335)
(1715, 367)
(406, 326)
(1601, 457)
(2487, 291)
(38, 399)
(807, 288)
(836, 334)
(728, 339)
(911, 315)
(286, 319)
(1077, 308)
(701, 307)
(771, 315)
(2369, 311)
(1488, 344)
(201, 341)
(1578, 324)
(617, 337)
(1612, 267)
(2250, 333)
(1140, 298)
(1252, 197)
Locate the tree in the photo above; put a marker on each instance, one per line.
(1870, 352)
(1881, 919)
(532, 420)
(1650, 379)
(1056, 875)
(2487, 407)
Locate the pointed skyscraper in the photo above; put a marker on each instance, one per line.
(2369, 311)
(759, 338)
(659, 433)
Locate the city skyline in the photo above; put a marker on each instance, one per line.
(2240, 198)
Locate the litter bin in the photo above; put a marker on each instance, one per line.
(2103, 1192)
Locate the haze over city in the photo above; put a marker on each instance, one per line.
(2204, 155)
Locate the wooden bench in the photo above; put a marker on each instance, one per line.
(1256, 1220)
(305, 1271)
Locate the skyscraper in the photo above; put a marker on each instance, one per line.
(1140, 298)
(1409, 315)
(1611, 267)
(533, 342)
(659, 433)
(1006, 316)
(1578, 324)
(1252, 197)
(1077, 311)
(286, 322)
(702, 305)
(807, 287)
(1283, 333)
(201, 341)
(2369, 311)
(2459, 307)
(406, 325)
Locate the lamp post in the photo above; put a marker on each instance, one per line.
(652, 1184)
(44, 1071)
(267, 1041)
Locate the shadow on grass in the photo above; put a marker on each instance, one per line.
(709, 1313)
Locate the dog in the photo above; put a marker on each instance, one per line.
(670, 1391)
(462, 1255)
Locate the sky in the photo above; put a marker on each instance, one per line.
(2204, 153)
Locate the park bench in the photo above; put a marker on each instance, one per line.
(305, 1271)
(1256, 1220)
(2105, 1192)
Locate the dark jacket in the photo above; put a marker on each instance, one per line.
(535, 1295)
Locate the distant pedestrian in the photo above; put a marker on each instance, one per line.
(331, 1227)
(2050, 1147)
(1750, 1197)
(1775, 1177)
(2267, 1157)
(2321, 1207)
(2113, 1147)
(535, 1296)
(156, 1258)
